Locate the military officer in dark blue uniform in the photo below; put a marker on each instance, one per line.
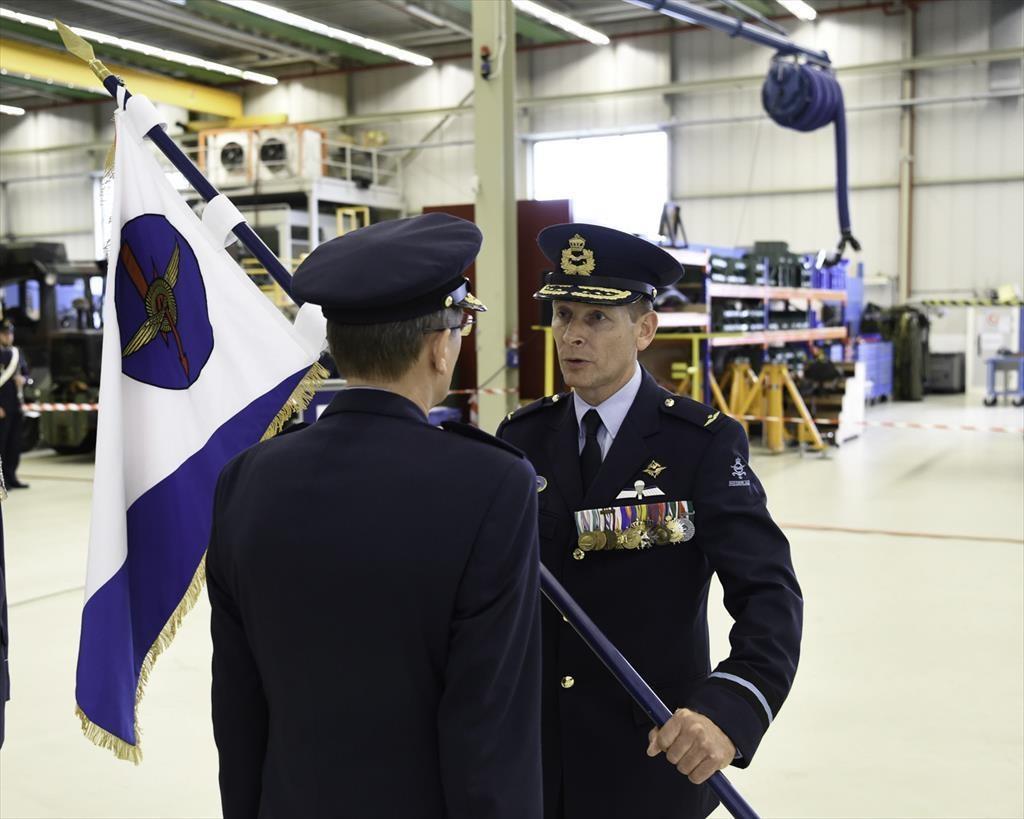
(373, 578)
(643, 496)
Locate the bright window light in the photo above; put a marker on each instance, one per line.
(799, 8)
(13, 110)
(617, 181)
(324, 30)
(142, 48)
(553, 18)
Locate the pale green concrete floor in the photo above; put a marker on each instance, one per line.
(909, 701)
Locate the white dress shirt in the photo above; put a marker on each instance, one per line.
(612, 411)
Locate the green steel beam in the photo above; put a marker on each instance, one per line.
(286, 33)
(56, 88)
(43, 37)
(531, 29)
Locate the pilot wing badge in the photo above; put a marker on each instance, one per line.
(197, 365)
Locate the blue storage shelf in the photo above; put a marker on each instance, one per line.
(877, 358)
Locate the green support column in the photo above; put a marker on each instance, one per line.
(494, 27)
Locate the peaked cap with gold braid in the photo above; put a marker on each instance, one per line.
(600, 265)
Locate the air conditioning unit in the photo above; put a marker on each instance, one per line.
(289, 152)
(227, 157)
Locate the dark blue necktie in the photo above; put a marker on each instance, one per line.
(590, 457)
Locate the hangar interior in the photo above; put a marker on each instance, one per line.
(881, 384)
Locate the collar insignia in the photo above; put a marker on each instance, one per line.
(654, 469)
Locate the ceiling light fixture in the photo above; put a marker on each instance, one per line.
(553, 18)
(798, 8)
(324, 30)
(13, 110)
(142, 48)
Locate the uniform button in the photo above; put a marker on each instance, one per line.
(554, 399)
(670, 402)
(509, 416)
(568, 682)
(578, 554)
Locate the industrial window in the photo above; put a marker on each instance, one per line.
(619, 181)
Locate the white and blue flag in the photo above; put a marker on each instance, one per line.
(197, 365)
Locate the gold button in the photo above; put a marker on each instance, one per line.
(670, 402)
(568, 682)
(578, 554)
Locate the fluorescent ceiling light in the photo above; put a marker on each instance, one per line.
(798, 8)
(48, 81)
(13, 110)
(324, 30)
(142, 48)
(553, 18)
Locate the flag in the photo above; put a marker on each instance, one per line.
(197, 365)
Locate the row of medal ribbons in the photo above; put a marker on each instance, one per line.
(634, 527)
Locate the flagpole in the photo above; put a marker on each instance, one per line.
(620, 668)
(634, 684)
(246, 235)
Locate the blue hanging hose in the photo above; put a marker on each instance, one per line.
(806, 97)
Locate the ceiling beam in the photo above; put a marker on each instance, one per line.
(41, 36)
(19, 58)
(255, 22)
(157, 12)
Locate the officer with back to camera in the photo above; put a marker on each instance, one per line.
(643, 496)
(373, 578)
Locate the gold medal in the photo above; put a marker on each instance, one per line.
(629, 539)
(591, 541)
(676, 533)
(660, 535)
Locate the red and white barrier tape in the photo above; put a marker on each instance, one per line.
(60, 407)
(885, 424)
(53, 407)
(486, 391)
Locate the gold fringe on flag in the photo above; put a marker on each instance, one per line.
(300, 398)
(298, 401)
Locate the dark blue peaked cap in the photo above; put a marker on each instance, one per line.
(392, 271)
(600, 265)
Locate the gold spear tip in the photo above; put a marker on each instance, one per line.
(75, 44)
(82, 49)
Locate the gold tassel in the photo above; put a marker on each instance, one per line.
(299, 400)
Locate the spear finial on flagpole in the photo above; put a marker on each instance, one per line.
(81, 49)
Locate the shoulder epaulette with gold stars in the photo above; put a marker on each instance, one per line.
(541, 403)
(679, 406)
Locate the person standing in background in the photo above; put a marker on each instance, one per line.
(13, 377)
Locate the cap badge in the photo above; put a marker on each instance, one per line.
(577, 260)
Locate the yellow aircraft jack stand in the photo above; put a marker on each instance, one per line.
(771, 386)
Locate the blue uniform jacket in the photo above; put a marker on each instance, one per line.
(652, 603)
(376, 634)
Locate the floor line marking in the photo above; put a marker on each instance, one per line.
(931, 535)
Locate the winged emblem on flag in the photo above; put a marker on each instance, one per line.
(161, 306)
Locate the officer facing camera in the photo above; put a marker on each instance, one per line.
(373, 578)
(643, 496)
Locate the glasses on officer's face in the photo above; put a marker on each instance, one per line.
(465, 327)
